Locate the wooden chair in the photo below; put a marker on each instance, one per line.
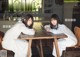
(77, 34)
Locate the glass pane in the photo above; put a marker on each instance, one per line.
(71, 0)
(10, 5)
(25, 5)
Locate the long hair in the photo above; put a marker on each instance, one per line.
(26, 18)
(55, 17)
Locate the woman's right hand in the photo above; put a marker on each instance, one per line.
(48, 30)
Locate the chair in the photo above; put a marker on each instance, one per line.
(77, 34)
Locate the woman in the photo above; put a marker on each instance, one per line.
(56, 28)
(11, 41)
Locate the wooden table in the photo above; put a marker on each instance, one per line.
(44, 35)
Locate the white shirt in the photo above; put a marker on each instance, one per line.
(62, 29)
(16, 30)
(11, 41)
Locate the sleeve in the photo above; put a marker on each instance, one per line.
(27, 31)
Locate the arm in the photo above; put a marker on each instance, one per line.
(47, 28)
(69, 33)
(66, 30)
(27, 31)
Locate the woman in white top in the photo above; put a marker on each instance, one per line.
(11, 41)
(56, 28)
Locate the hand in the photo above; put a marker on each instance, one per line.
(48, 30)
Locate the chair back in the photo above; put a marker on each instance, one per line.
(77, 34)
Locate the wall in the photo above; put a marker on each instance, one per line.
(5, 25)
(68, 12)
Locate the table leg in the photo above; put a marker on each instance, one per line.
(41, 49)
(29, 48)
(38, 47)
(56, 46)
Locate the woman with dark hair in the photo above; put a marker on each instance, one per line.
(11, 41)
(56, 28)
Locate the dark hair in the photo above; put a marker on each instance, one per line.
(26, 18)
(1, 34)
(55, 17)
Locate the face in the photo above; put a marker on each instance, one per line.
(54, 21)
(29, 22)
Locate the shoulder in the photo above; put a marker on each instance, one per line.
(19, 24)
(47, 25)
(62, 25)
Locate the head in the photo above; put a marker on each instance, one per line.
(28, 21)
(54, 21)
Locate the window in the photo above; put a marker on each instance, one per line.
(24, 5)
(71, 0)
